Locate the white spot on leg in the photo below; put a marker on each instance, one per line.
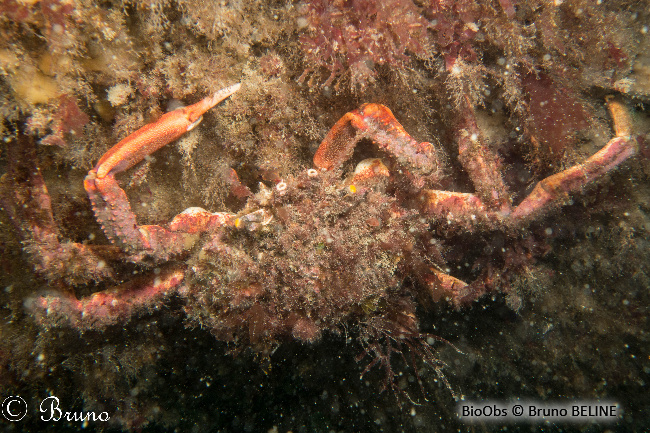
(193, 124)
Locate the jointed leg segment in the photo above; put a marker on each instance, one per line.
(490, 206)
(111, 205)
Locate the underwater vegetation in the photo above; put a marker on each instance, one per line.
(448, 199)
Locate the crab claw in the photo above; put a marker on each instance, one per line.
(374, 121)
(153, 136)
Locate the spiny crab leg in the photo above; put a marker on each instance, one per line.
(490, 205)
(111, 205)
(26, 201)
(469, 211)
(480, 162)
(462, 209)
(376, 122)
(108, 307)
(553, 189)
(451, 289)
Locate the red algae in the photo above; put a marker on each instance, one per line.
(555, 116)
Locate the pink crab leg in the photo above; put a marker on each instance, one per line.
(111, 205)
(469, 211)
(108, 307)
(153, 136)
(551, 191)
(458, 209)
(26, 201)
(491, 201)
(376, 122)
(480, 162)
(451, 289)
(113, 211)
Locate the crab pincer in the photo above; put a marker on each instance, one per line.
(153, 136)
(111, 205)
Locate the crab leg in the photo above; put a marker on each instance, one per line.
(482, 165)
(111, 205)
(108, 307)
(551, 191)
(451, 289)
(458, 209)
(491, 202)
(153, 136)
(376, 122)
(25, 198)
(468, 210)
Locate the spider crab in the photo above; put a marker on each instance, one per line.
(312, 253)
